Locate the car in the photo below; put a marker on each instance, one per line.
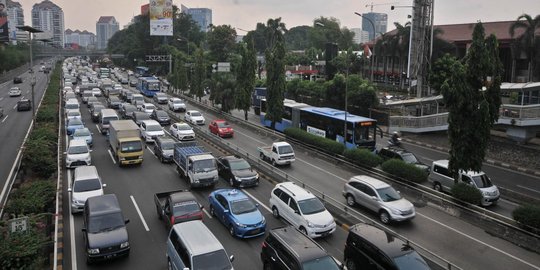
(24, 104)
(182, 131)
(150, 130)
(78, 154)
(160, 98)
(147, 108)
(161, 116)
(138, 117)
(176, 104)
(301, 209)
(95, 110)
(17, 79)
(86, 94)
(194, 117)
(237, 171)
(387, 153)
(124, 80)
(221, 128)
(288, 248)
(72, 125)
(15, 92)
(138, 104)
(378, 197)
(126, 112)
(369, 247)
(86, 184)
(96, 92)
(164, 148)
(92, 100)
(70, 95)
(83, 134)
(234, 209)
(177, 206)
(71, 114)
(133, 83)
(113, 102)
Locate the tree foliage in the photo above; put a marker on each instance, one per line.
(528, 42)
(275, 70)
(199, 75)
(221, 42)
(246, 79)
(12, 56)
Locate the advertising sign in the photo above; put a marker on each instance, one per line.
(161, 18)
(4, 30)
(316, 131)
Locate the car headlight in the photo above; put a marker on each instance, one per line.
(311, 225)
(240, 225)
(216, 177)
(238, 179)
(263, 221)
(124, 245)
(257, 176)
(93, 251)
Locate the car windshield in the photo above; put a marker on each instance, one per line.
(311, 206)
(167, 145)
(130, 108)
(388, 194)
(70, 106)
(409, 158)
(107, 222)
(86, 185)
(239, 165)
(107, 120)
(82, 132)
(75, 122)
(324, 263)
(74, 150)
(153, 128)
(74, 113)
(97, 109)
(411, 260)
(482, 181)
(142, 116)
(184, 127)
(195, 114)
(216, 260)
(127, 147)
(178, 101)
(222, 124)
(242, 206)
(149, 107)
(204, 165)
(285, 149)
(185, 208)
(161, 114)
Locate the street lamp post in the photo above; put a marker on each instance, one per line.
(373, 55)
(30, 31)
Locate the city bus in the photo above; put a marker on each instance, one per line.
(148, 86)
(326, 122)
(141, 71)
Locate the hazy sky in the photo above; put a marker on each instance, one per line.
(83, 14)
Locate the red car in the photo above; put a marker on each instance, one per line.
(221, 128)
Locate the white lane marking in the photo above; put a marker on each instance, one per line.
(1, 98)
(110, 154)
(509, 202)
(98, 128)
(15, 107)
(3, 120)
(140, 214)
(151, 151)
(71, 228)
(259, 202)
(483, 243)
(207, 214)
(530, 189)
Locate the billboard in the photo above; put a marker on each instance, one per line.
(4, 30)
(161, 18)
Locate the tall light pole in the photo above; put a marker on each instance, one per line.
(30, 31)
(374, 34)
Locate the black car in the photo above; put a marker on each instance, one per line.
(17, 79)
(237, 171)
(127, 111)
(104, 230)
(113, 102)
(161, 116)
(288, 248)
(95, 110)
(164, 148)
(138, 117)
(24, 105)
(368, 247)
(387, 153)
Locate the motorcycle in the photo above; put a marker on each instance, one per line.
(394, 141)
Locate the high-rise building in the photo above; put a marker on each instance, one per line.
(49, 18)
(81, 38)
(203, 16)
(360, 36)
(380, 21)
(15, 19)
(106, 26)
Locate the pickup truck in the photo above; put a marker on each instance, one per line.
(279, 153)
(196, 164)
(177, 206)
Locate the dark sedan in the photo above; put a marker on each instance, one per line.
(237, 171)
(161, 116)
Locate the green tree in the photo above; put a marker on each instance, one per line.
(275, 70)
(441, 71)
(179, 78)
(259, 37)
(529, 41)
(246, 79)
(221, 42)
(199, 75)
(297, 38)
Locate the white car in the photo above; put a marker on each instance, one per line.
(194, 117)
(86, 184)
(15, 92)
(148, 108)
(176, 104)
(150, 130)
(78, 154)
(182, 131)
(72, 114)
(96, 92)
(302, 210)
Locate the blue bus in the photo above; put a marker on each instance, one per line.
(148, 86)
(326, 122)
(141, 71)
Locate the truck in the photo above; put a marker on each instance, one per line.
(125, 142)
(177, 206)
(279, 153)
(195, 164)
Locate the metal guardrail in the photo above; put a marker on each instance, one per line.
(426, 121)
(525, 112)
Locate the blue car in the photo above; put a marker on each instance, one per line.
(83, 134)
(237, 212)
(72, 125)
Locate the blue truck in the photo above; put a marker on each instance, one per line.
(256, 96)
(195, 164)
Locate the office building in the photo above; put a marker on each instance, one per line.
(203, 16)
(49, 18)
(81, 38)
(105, 29)
(360, 36)
(380, 21)
(15, 19)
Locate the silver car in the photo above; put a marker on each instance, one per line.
(379, 197)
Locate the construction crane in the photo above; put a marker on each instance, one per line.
(382, 4)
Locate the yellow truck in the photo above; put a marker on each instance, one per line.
(125, 142)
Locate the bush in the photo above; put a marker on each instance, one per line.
(33, 197)
(404, 170)
(46, 114)
(363, 157)
(318, 141)
(23, 250)
(467, 193)
(41, 161)
(528, 215)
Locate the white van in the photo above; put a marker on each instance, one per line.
(86, 184)
(72, 104)
(105, 117)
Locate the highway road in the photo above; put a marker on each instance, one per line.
(455, 240)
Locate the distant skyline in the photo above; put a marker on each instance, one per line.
(245, 14)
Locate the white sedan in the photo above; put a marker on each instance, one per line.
(15, 92)
(194, 117)
(147, 108)
(182, 131)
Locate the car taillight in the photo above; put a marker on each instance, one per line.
(172, 220)
(263, 244)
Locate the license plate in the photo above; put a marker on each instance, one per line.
(110, 256)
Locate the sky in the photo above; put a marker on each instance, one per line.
(245, 14)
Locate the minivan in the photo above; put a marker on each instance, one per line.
(442, 180)
(105, 116)
(72, 104)
(191, 245)
(86, 184)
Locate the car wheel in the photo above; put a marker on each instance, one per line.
(275, 212)
(267, 266)
(384, 217)
(350, 200)
(274, 163)
(350, 265)
(212, 212)
(303, 230)
(231, 230)
(261, 156)
(437, 187)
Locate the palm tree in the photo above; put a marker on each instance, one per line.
(527, 42)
